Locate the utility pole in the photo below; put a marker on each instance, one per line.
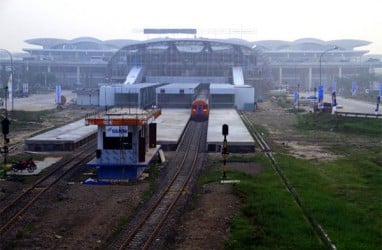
(12, 75)
(5, 130)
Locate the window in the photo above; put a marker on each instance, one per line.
(118, 142)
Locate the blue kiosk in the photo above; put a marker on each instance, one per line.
(126, 143)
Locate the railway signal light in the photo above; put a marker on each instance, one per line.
(225, 129)
(5, 126)
(225, 149)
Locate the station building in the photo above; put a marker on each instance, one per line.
(76, 63)
(177, 95)
(126, 142)
(86, 62)
(133, 75)
(141, 95)
(308, 61)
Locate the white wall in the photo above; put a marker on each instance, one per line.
(244, 95)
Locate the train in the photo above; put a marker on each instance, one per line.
(199, 107)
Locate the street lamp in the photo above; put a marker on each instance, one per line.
(5, 122)
(323, 53)
(10, 55)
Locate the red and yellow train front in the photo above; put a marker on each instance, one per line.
(199, 110)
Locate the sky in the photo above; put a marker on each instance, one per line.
(252, 20)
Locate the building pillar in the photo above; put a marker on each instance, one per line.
(48, 69)
(310, 78)
(339, 72)
(280, 75)
(78, 75)
(100, 137)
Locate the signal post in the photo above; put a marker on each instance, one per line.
(225, 149)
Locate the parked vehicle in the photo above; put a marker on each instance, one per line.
(325, 107)
(22, 165)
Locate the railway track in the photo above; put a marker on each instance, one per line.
(142, 232)
(266, 149)
(11, 213)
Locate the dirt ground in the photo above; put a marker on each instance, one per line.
(84, 217)
(207, 226)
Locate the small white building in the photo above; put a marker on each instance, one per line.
(139, 95)
(222, 95)
(245, 97)
(88, 97)
(176, 95)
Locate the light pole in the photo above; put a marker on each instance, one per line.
(10, 55)
(5, 122)
(323, 53)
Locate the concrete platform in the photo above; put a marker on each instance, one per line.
(239, 139)
(65, 138)
(41, 165)
(170, 126)
(172, 122)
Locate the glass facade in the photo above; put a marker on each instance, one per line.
(188, 58)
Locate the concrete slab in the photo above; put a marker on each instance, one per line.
(41, 165)
(37, 102)
(170, 126)
(64, 138)
(239, 139)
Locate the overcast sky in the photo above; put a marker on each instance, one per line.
(259, 20)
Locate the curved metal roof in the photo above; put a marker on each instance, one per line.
(83, 42)
(349, 43)
(236, 42)
(46, 42)
(310, 44)
(303, 44)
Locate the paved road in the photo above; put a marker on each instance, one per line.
(38, 101)
(348, 104)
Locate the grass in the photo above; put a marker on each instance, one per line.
(153, 171)
(343, 196)
(122, 221)
(269, 218)
(29, 116)
(346, 125)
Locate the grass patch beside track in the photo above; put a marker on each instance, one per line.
(269, 218)
(347, 125)
(343, 196)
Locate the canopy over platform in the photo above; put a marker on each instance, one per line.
(124, 116)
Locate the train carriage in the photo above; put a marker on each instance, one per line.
(200, 107)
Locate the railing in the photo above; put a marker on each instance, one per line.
(355, 114)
